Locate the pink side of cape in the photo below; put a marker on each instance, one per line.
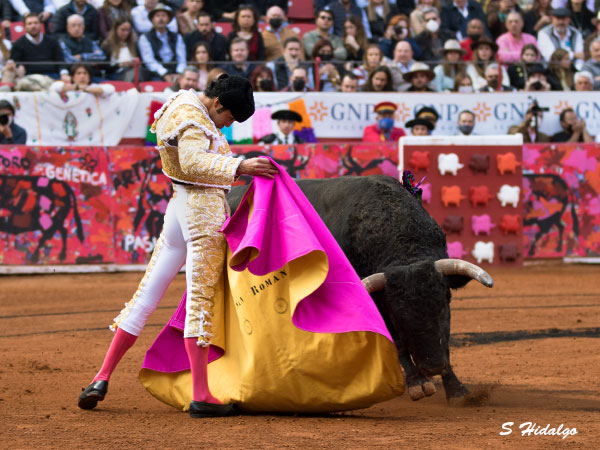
(283, 226)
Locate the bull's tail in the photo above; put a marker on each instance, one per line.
(76, 216)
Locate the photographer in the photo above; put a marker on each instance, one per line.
(10, 132)
(574, 129)
(536, 79)
(531, 124)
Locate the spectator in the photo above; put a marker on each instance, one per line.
(286, 122)
(201, 61)
(324, 22)
(141, 17)
(419, 76)
(592, 65)
(574, 129)
(497, 13)
(344, 9)
(378, 13)
(329, 72)
(276, 33)
(224, 10)
(81, 8)
(355, 39)
(401, 64)
(245, 26)
(76, 46)
(537, 17)
(584, 81)
(518, 72)
(217, 43)
(349, 83)
(492, 78)
(451, 66)
(595, 36)
(431, 40)
(417, 20)
(36, 47)
(483, 55)
(537, 79)
(582, 18)
(561, 35)
(283, 66)
(428, 113)
(110, 11)
(262, 80)
(79, 79)
(10, 132)
(44, 9)
(214, 74)
(511, 43)
(187, 18)
(475, 30)
(530, 126)
(298, 81)
(457, 14)
(189, 80)
(373, 58)
(419, 127)
(398, 30)
(466, 123)
(238, 49)
(162, 51)
(384, 130)
(380, 80)
(463, 83)
(120, 47)
(560, 71)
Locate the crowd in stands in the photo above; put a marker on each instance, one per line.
(317, 45)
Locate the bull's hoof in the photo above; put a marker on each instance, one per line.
(428, 388)
(416, 392)
(458, 394)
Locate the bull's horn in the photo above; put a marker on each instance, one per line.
(374, 283)
(460, 267)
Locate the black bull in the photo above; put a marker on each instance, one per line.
(382, 228)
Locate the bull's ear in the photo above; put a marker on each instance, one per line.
(457, 281)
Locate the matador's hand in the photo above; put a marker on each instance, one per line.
(257, 166)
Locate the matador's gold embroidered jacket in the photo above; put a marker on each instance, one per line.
(192, 149)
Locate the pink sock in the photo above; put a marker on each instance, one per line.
(198, 357)
(122, 341)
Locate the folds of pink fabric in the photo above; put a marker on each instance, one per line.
(283, 226)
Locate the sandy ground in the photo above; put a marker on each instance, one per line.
(528, 350)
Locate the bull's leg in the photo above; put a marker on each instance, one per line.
(418, 385)
(453, 387)
(63, 252)
(561, 229)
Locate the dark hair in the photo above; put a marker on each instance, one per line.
(350, 75)
(319, 45)
(207, 48)
(530, 47)
(5, 104)
(234, 93)
(325, 9)
(29, 14)
(564, 112)
(389, 86)
(291, 39)
(74, 68)
(203, 13)
(236, 16)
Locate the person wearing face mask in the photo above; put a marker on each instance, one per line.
(328, 71)
(530, 126)
(497, 12)
(397, 30)
(10, 132)
(463, 83)
(457, 14)
(276, 33)
(384, 130)
(432, 39)
(466, 123)
(261, 79)
(475, 30)
(286, 122)
(298, 81)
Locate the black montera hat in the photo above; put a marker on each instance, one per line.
(286, 114)
(237, 96)
(427, 111)
(419, 121)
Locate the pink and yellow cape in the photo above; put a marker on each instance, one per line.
(297, 331)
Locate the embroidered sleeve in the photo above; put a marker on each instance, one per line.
(195, 162)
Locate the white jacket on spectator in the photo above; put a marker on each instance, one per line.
(107, 89)
(549, 40)
(22, 9)
(479, 81)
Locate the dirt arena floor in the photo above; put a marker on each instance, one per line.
(528, 349)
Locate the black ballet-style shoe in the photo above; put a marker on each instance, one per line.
(93, 394)
(203, 409)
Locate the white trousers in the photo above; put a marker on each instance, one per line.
(190, 236)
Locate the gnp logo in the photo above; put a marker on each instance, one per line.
(402, 113)
(561, 105)
(318, 111)
(482, 111)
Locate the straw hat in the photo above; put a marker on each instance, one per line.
(416, 68)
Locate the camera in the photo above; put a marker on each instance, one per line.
(535, 106)
(4, 119)
(398, 29)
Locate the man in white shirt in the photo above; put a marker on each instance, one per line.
(141, 20)
(561, 35)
